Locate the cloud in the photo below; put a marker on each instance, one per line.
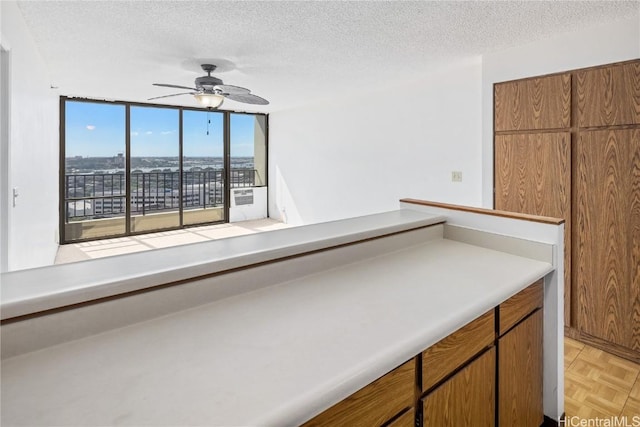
(90, 127)
(148, 132)
(134, 134)
(166, 132)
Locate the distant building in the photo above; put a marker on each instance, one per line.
(79, 208)
(119, 160)
(194, 196)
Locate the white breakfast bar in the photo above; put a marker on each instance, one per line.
(269, 329)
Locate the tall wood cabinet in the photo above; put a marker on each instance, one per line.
(568, 145)
(608, 219)
(532, 149)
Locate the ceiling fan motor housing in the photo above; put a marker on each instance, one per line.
(207, 82)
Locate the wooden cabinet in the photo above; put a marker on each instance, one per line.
(444, 357)
(608, 242)
(533, 176)
(520, 374)
(520, 306)
(459, 376)
(465, 399)
(407, 419)
(566, 146)
(537, 103)
(532, 172)
(467, 395)
(375, 404)
(609, 96)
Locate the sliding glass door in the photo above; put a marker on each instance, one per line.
(133, 168)
(93, 171)
(203, 179)
(155, 168)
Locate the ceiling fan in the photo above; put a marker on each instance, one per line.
(211, 91)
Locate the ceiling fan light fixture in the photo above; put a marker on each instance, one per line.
(209, 100)
(210, 91)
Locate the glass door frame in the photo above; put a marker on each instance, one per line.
(128, 104)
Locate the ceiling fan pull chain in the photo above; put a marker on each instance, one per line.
(208, 121)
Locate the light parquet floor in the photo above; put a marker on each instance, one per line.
(599, 384)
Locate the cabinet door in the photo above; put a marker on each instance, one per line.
(375, 404)
(537, 103)
(609, 96)
(521, 305)
(607, 255)
(520, 374)
(408, 419)
(444, 357)
(467, 398)
(533, 176)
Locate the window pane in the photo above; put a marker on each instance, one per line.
(155, 168)
(248, 150)
(203, 163)
(94, 181)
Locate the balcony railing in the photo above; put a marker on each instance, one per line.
(94, 196)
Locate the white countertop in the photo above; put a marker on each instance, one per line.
(276, 356)
(39, 289)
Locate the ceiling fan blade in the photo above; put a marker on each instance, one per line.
(174, 94)
(232, 90)
(174, 86)
(247, 98)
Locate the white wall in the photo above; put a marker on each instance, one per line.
(603, 44)
(33, 148)
(358, 155)
(5, 58)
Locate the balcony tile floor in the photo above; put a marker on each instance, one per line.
(125, 245)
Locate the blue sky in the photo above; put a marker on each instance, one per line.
(98, 130)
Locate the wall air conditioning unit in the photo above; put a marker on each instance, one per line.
(241, 197)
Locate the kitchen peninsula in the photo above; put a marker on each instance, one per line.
(290, 326)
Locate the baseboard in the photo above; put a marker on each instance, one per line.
(603, 345)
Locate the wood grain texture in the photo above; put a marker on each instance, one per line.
(374, 404)
(609, 96)
(520, 305)
(466, 399)
(520, 374)
(484, 211)
(600, 344)
(448, 354)
(538, 103)
(607, 253)
(533, 176)
(407, 419)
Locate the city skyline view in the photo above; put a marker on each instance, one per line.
(98, 130)
(116, 164)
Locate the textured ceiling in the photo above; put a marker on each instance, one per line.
(288, 52)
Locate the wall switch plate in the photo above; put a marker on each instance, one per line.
(456, 176)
